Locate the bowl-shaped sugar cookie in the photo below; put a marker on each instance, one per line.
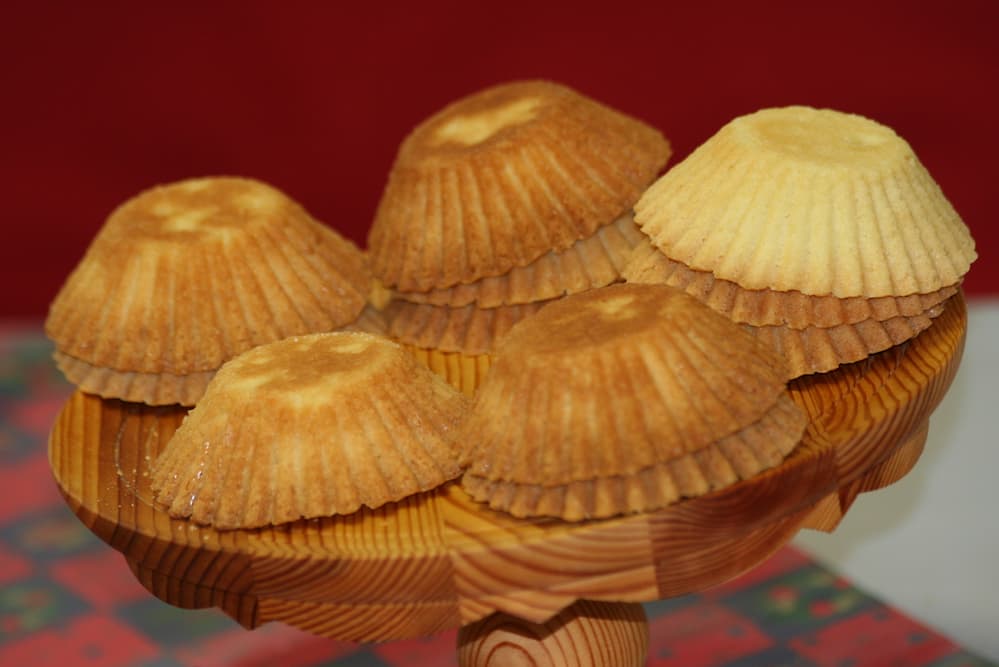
(310, 426)
(185, 276)
(819, 230)
(624, 399)
(500, 178)
(503, 200)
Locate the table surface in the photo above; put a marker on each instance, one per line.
(67, 599)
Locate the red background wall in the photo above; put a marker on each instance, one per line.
(101, 100)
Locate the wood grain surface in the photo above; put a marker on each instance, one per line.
(586, 634)
(440, 560)
(462, 371)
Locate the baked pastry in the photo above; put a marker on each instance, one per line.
(310, 426)
(455, 342)
(595, 261)
(617, 400)
(502, 177)
(454, 329)
(819, 230)
(185, 276)
(466, 329)
(510, 197)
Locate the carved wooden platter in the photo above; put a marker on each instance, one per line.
(440, 560)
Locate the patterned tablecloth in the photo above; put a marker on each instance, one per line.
(67, 599)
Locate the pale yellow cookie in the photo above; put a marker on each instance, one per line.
(811, 200)
(813, 334)
(769, 307)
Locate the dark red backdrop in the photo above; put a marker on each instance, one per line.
(102, 100)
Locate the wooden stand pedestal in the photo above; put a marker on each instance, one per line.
(541, 592)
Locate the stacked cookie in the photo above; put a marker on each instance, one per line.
(184, 277)
(796, 240)
(310, 426)
(499, 203)
(819, 231)
(618, 400)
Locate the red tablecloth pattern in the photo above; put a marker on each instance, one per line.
(67, 599)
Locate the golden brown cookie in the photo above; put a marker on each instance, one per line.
(149, 388)
(592, 262)
(185, 276)
(741, 455)
(310, 426)
(502, 177)
(369, 320)
(467, 329)
(609, 389)
(822, 349)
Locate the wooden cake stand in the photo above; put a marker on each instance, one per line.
(524, 592)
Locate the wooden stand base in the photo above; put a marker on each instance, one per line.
(522, 590)
(585, 634)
